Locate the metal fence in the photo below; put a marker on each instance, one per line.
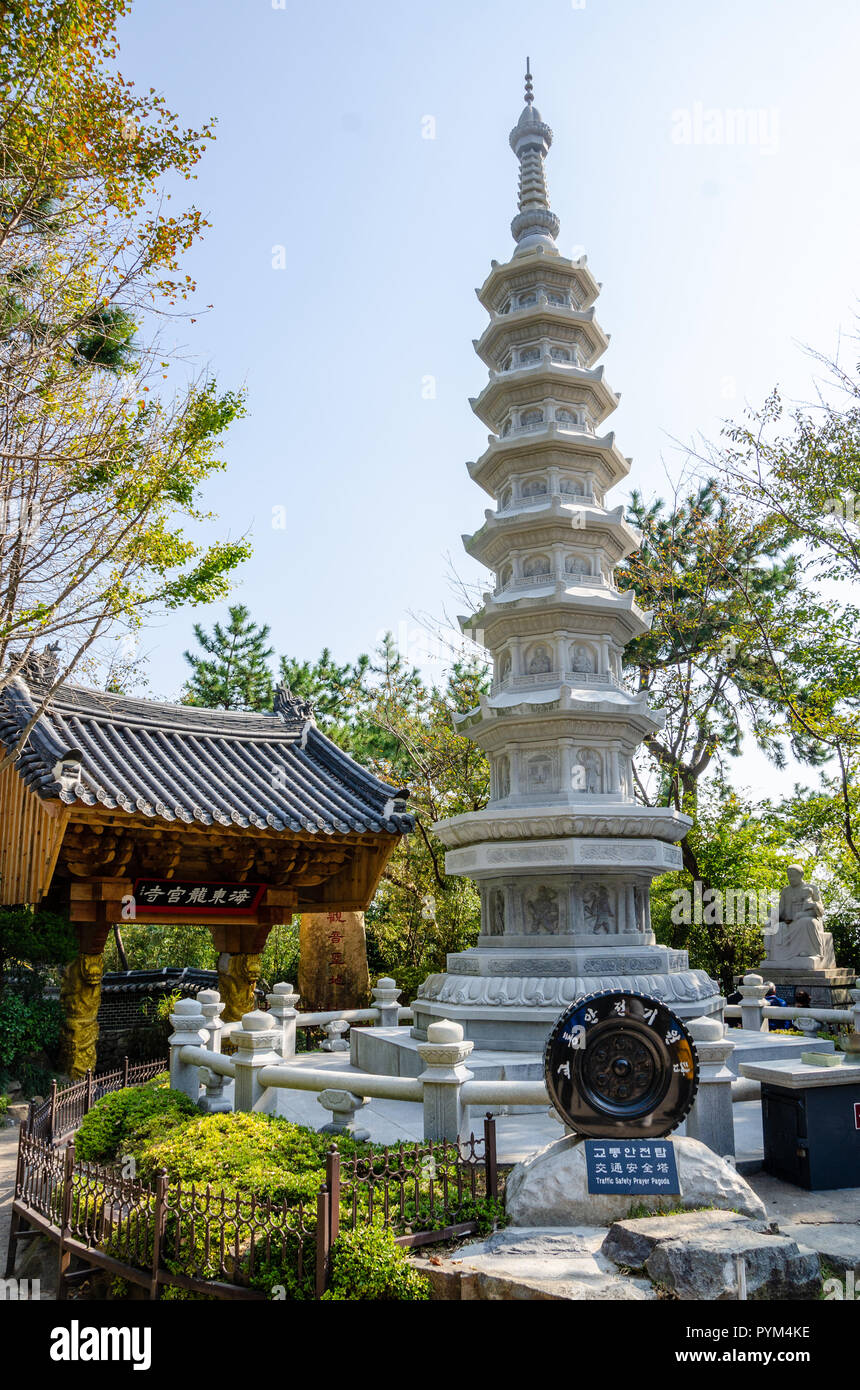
(64, 1109)
(229, 1244)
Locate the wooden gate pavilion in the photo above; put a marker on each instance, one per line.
(122, 808)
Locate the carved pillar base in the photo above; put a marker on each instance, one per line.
(80, 996)
(237, 976)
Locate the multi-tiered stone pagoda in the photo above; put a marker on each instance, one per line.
(563, 854)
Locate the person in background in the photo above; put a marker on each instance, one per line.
(734, 998)
(774, 1000)
(805, 1025)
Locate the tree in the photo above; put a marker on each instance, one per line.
(99, 465)
(725, 596)
(235, 673)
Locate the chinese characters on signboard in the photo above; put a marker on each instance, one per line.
(642, 1166)
(178, 897)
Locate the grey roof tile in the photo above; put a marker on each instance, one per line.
(209, 767)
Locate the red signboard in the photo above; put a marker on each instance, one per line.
(857, 1114)
(171, 897)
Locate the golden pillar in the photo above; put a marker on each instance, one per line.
(80, 996)
(238, 972)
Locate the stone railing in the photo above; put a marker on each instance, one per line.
(544, 499)
(754, 1012)
(533, 682)
(265, 1058)
(523, 581)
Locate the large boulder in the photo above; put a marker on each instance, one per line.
(550, 1188)
(630, 1243)
(706, 1266)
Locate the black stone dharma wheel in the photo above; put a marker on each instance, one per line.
(620, 1065)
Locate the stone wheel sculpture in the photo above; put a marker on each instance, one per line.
(621, 1065)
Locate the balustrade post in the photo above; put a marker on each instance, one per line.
(212, 1007)
(335, 1036)
(255, 1048)
(443, 1055)
(752, 992)
(190, 1031)
(282, 1007)
(385, 996)
(711, 1119)
(124, 1072)
(343, 1105)
(88, 1093)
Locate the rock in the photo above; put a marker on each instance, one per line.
(631, 1242)
(837, 1242)
(517, 1265)
(18, 1114)
(13, 1087)
(550, 1187)
(703, 1266)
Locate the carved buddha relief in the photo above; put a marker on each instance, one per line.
(582, 658)
(539, 660)
(598, 909)
(542, 910)
(588, 776)
(536, 565)
(540, 773)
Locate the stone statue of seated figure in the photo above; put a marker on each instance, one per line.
(800, 940)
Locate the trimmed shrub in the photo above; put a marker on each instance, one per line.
(367, 1265)
(120, 1122)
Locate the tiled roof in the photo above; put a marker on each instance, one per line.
(178, 763)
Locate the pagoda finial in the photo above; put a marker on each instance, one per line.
(534, 224)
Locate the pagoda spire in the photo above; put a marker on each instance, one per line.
(534, 224)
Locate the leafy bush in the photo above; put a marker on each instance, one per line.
(367, 1265)
(119, 1122)
(27, 1025)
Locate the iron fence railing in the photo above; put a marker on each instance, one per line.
(227, 1243)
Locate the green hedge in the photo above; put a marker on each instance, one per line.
(366, 1265)
(120, 1122)
(27, 1025)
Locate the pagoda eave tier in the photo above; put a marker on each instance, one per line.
(566, 384)
(562, 326)
(557, 272)
(608, 613)
(607, 820)
(545, 447)
(555, 521)
(630, 718)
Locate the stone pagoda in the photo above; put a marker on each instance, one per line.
(563, 854)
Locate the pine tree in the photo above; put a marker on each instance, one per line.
(234, 673)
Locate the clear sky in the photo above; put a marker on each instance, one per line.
(719, 261)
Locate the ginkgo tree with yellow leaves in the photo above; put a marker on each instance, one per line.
(101, 462)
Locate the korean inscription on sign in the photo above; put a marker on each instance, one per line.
(179, 897)
(633, 1166)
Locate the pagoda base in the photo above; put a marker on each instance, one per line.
(514, 1013)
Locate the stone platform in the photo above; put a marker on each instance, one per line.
(394, 1052)
(827, 989)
